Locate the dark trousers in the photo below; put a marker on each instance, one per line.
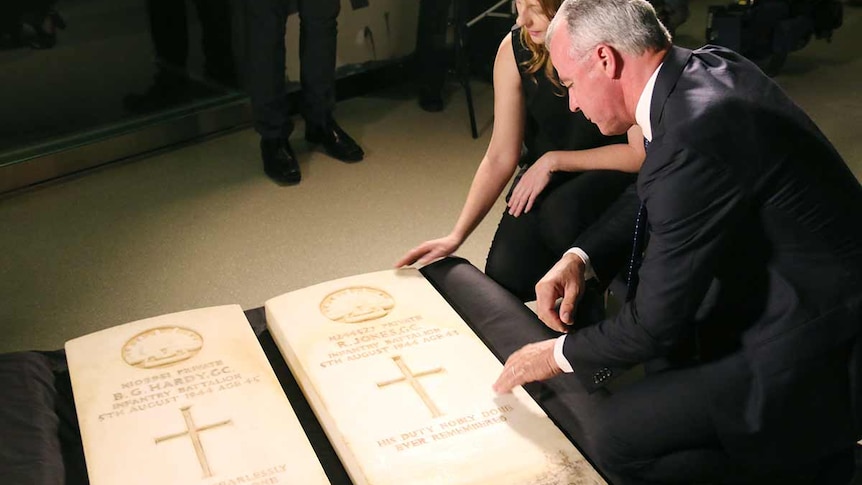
(265, 62)
(170, 32)
(525, 247)
(431, 53)
(659, 430)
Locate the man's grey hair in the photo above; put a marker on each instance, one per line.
(629, 26)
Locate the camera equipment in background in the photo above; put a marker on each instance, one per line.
(765, 31)
(488, 22)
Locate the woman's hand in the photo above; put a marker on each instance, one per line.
(430, 251)
(532, 183)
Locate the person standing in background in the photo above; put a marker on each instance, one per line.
(265, 82)
(431, 52)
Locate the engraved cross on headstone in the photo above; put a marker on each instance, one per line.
(411, 378)
(192, 431)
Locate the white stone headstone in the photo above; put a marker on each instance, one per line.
(186, 398)
(402, 387)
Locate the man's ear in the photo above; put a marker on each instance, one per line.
(610, 60)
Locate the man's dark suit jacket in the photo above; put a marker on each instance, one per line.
(754, 253)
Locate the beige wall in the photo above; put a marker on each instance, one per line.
(354, 47)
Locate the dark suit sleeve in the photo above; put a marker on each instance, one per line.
(608, 241)
(693, 202)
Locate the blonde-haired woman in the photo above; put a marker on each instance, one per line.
(568, 172)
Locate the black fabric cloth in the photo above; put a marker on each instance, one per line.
(265, 62)
(525, 247)
(40, 443)
(754, 256)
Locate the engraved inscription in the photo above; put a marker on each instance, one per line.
(381, 339)
(192, 432)
(171, 386)
(447, 428)
(412, 379)
(266, 476)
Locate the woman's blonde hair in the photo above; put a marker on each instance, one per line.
(540, 57)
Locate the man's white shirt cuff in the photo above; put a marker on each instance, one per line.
(588, 268)
(558, 355)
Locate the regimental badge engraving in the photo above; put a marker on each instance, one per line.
(356, 304)
(159, 347)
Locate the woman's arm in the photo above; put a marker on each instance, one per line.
(497, 166)
(625, 157)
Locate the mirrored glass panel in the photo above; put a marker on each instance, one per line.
(76, 70)
(86, 82)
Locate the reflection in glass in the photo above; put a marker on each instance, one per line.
(169, 27)
(77, 71)
(32, 23)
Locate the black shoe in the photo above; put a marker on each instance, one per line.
(337, 143)
(430, 100)
(279, 162)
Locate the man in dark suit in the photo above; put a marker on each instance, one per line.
(750, 283)
(265, 82)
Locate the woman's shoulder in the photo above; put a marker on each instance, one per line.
(512, 50)
(506, 67)
(505, 52)
(506, 46)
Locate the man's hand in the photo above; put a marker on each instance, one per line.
(566, 280)
(533, 362)
(430, 251)
(531, 184)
